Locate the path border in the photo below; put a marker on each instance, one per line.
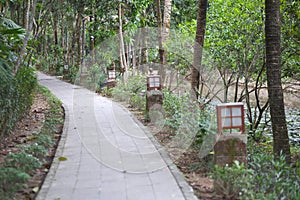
(44, 189)
(186, 189)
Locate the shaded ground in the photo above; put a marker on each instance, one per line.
(23, 134)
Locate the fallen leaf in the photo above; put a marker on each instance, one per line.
(35, 190)
(62, 159)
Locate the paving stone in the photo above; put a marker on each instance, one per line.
(109, 153)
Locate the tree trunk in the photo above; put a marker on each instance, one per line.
(199, 42)
(122, 58)
(30, 9)
(159, 22)
(26, 15)
(163, 34)
(278, 119)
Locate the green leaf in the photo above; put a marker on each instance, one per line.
(62, 159)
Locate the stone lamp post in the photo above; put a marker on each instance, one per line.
(111, 79)
(154, 97)
(231, 138)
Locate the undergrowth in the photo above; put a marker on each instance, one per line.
(19, 166)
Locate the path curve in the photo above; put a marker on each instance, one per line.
(110, 155)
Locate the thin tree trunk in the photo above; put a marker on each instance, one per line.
(123, 65)
(277, 111)
(199, 42)
(26, 15)
(165, 36)
(159, 22)
(28, 32)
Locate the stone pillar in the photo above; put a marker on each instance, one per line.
(154, 102)
(230, 147)
(111, 84)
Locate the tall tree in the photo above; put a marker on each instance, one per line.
(123, 63)
(199, 42)
(28, 24)
(278, 119)
(164, 31)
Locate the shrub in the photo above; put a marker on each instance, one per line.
(187, 118)
(22, 161)
(35, 149)
(16, 97)
(138, 102)
(96, 77)
(231, 182)
(266, 178)
(274, 176)
(130, 91)
(11, 181)
(44, 140)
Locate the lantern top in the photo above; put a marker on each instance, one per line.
(231, 104)
(111, 74)
(153, 82)
(230, 118)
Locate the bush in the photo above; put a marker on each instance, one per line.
(16, 97)
(96, 77)
(187, 118)
(231, 182)
(44, 139)
(138, 102)
(22, 161)
(266, 178)
(130, 91)
(274, 176)
(16, 89)
(35, 149)
(172, 108)
(11, 181)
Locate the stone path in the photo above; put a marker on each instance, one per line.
(110, 155)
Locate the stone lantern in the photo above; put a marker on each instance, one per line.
(154, 97)
(111, 79)
(153, 82)
(231, 138)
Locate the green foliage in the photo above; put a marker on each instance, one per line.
(138, 102)
(35, 149)
(275, 177)
(187, 118)
(130, 91)
(44, 139)
(172, 106)
(234, 35)
(290, 38)
(11, 181)
(96, 76)
(18, 167)
(135, 84)
(266, 178)
(16, 97)
(230, 182)
(16, 89)
(11, 36)
(22, 161)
